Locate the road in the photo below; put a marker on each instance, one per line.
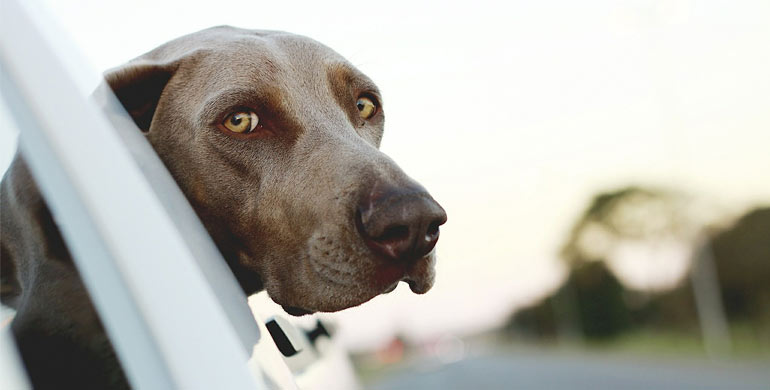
(575, 371)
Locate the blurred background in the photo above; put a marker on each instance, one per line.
(605, 166)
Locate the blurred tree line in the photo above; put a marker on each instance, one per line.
(728, 281)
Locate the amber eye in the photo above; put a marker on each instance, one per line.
(366, 107)
(241, 122)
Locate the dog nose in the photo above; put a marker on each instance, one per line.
(400, 223)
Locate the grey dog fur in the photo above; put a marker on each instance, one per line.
(279, 206)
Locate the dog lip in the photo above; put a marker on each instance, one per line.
(417, 287)
(421, 278)
(390, 288)
(296, 311)
(389, 274)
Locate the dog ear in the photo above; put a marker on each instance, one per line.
(138, 85)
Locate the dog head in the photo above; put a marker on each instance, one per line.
(274, 139)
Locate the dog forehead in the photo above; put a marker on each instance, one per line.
(240, 47)
(262, 57)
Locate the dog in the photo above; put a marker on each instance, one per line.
(274, 140)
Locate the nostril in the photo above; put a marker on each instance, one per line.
(432, 232)
(393, 234)
(394, 242)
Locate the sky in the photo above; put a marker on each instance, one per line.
(513, 114)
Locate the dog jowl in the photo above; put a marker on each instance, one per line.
(274, 140)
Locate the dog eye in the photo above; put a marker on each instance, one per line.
(366, 107)
(241, 122)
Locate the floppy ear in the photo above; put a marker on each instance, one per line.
(138, 85)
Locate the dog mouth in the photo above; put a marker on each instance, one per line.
(296, 311)
(415, 286)
(382, 278)
(335, 272)
(419, 282)
(299, 312)
(390, 288)
(362, 286)
(421, 286)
